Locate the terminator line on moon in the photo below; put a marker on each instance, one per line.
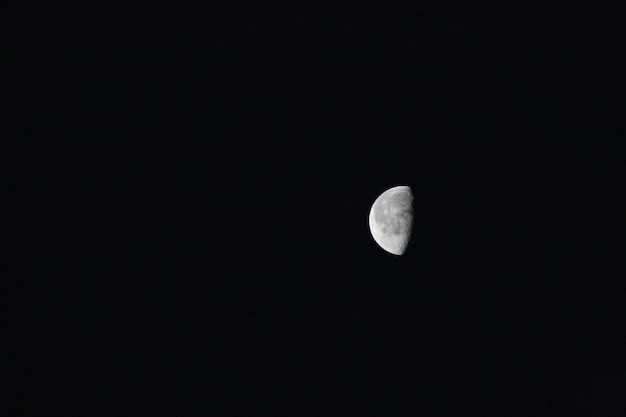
(391, 219)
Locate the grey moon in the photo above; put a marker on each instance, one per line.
(391, 219)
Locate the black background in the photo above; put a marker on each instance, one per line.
(189, 189)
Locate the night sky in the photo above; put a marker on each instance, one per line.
(187, 199)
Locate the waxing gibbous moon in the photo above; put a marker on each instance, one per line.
(391, 219)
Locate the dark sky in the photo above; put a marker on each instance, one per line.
(188, 192)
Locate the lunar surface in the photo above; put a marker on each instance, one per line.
(391, 219)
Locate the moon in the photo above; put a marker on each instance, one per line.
(391, 219)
